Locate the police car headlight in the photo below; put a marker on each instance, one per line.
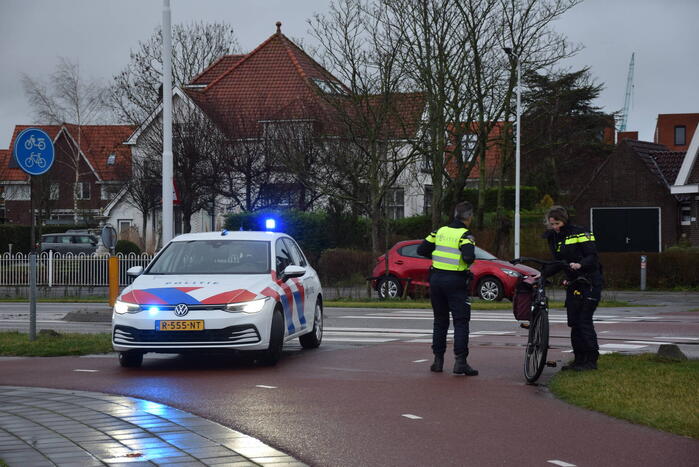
(252, 306)
(121, 308)
(511, 273)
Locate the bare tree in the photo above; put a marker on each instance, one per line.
(67, 97)
(135, 93)
(374, 119)
(144, 191)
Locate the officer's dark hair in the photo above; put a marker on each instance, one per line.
(559, 213)
(463, 211)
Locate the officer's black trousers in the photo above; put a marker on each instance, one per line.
(580, 306)
(449, 294)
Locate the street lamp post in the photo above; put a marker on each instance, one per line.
(167, 126)
(517, 151)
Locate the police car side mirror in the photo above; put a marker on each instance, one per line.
(134, 271)
(293, 271)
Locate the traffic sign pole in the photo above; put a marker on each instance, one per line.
(34, 153)
(32, 264)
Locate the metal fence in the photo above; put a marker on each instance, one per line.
(66, 269)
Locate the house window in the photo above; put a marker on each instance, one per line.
(108, 192)
(426, 163)
(111, 159)
(124, 226)
(427, 200)
(53, 192)
(17, 193)
(680, 135)
(394, 203)
(686, 214)
(82, 190)
(468, 146)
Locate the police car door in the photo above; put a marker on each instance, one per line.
(306, 285)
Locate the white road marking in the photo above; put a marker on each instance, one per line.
(87, 371)
(420, 341)
(411, 416)
(677, 337)
(561, 463)
(263, 386)
(356, 339)
(420, 361)
(373, 334)
(645, 342)
(621, 346)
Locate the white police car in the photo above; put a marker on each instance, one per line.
(220, 290)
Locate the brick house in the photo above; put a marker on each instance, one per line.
(643, 197)
(103, 164)
(253, 97)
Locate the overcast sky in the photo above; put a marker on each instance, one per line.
(100, 33)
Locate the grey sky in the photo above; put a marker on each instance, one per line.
(100, 33)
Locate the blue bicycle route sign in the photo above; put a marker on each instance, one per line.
(34, 151)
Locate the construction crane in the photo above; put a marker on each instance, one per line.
(627, 98)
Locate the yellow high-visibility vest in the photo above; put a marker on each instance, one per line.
(447, 250)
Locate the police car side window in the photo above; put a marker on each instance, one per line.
(283, 257)
(296, 253)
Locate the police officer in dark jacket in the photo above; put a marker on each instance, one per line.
(576, 246)
(452, 250)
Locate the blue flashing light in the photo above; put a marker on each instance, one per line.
(153, 310)
(270, 224)
(224, 232)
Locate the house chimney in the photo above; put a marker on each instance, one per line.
(279, 27)
(622, 135)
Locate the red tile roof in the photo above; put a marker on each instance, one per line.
(97, 143)
(279, 81)
(216, 69)
(669, 163)
(7, 173)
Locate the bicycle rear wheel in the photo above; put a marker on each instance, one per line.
(537, 345)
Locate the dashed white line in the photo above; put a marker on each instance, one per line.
(561, 463)
(621, 346)
(87, 371)
(264, 386)
(411, 416)
(421, 360)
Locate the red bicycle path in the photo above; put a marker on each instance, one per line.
(340, 406)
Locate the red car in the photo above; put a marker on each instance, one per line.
(494, 279)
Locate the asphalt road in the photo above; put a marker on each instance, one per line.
(366, 397)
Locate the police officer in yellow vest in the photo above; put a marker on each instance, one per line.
(452, 250)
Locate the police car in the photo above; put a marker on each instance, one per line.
(247, 291)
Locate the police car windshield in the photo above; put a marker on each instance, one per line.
(213, 257)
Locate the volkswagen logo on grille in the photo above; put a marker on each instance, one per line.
(181, 309)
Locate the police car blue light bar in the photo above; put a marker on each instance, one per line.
(270, 224)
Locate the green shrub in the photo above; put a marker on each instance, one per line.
(342, 266)
(125, 247)
(666, 270)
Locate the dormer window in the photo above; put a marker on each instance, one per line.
(111, 159)
(329, 87)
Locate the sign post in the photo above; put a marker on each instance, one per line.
(34, 154)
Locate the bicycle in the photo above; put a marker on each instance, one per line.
(538, 337)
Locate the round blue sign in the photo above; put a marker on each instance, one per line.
(34, 151)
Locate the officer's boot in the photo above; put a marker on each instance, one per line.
(588, 362)
(576, 361)
(438, 363)
(592, 357)
(462, 368)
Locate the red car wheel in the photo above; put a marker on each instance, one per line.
(490, 289)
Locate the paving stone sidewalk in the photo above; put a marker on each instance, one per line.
(53, 427)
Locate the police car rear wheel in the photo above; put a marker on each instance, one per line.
(313, 339)
(490, 289)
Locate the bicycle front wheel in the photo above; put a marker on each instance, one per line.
(537, 346)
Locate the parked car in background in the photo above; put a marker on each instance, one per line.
(494, 279)
(69, 242)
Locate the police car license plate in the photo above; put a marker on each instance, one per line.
(180, 325)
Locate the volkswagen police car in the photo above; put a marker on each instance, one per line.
(247, 291)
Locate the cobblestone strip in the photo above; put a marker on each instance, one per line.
(53, 427)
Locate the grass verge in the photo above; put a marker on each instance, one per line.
(425, 304)
(13, 343)
(644, 389)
